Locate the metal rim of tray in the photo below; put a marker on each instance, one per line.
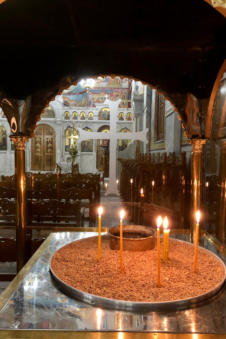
(136, 306)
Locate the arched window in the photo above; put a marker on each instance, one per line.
(104, 114)
(3, 139)
(87, 145)
(66, 115)
(71, 138)
(123, 143)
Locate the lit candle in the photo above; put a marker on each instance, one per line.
(131, 181)
(141, 192)
(152, 190)
(166, 232)
(159, 223)
(122, 215)
(100, 212)
(198, 214)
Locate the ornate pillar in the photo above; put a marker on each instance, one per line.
(197, 146)
(220, 231)
(20, 142)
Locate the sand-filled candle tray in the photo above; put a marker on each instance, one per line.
(79, 274)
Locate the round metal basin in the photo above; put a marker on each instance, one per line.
(135, 238)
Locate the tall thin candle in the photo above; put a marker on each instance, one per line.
(100, 212)
(122, 215)
(165, 238)
(198, 214)
(159, 223)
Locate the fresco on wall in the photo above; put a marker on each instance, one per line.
(114, 89)
(3, 141)
(48, 113)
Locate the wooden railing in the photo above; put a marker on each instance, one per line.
(165, 180)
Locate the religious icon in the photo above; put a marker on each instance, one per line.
(121, 116)
(37, 145)
(129, 116)
(66, 115)
(104, 114)
(74, 115)
(87, 146)
(82, 116)
(90, 116)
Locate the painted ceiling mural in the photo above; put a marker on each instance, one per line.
(84, 96)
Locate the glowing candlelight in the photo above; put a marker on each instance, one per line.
(122, 215)
(159, 223)
(198, 215)
(166, 232)
(100, 212)
(117, 181)
(152, 190)
(131, 181)
(141, 192)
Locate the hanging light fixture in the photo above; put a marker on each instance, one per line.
(218, 3)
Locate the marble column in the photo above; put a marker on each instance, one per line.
(220, 231)
(197, 147)
(20, 142)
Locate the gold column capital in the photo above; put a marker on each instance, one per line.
(197, 144)
(19, 141)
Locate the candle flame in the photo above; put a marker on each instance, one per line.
(100, 210)
(165, 223)
(141, 191)
(153, 183)
(117, 181)
(198, 215)
(159, 221)
(131, 180)
(122, 214)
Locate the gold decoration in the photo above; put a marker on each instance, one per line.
(197, 144)
(19, 141)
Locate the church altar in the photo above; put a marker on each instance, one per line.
(32, 302)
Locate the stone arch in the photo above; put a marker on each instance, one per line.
(178, 101)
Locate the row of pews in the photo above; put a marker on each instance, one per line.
(53, 199)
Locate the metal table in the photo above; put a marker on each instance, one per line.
(32, 302)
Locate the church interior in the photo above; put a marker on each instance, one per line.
(110, 126)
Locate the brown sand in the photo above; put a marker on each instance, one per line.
(77, 265)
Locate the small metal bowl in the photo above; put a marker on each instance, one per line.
(135, 238)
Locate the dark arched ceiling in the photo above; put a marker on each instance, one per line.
(177, 46)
